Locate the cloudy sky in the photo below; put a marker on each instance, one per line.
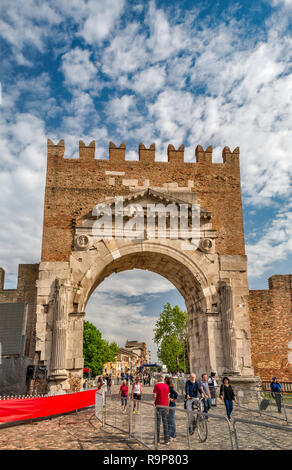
(194, 72)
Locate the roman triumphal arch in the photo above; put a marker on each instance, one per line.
(79, 250)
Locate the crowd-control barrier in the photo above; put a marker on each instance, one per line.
(21, 409)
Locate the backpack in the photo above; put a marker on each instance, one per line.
(264, 404)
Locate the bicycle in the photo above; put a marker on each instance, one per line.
(198, 420)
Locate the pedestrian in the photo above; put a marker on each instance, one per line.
(206, 393)
(99, 382)
(227, 395)
(212, 387)
(109, 385)
(171, 411)
(192, 388)
(124, 391)
(136, 395)
(161, 394)
(276, 387)
(127, 377)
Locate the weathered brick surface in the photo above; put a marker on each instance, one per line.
(271, 328)
(25, 292)
(75, 186)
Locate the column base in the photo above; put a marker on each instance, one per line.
(58, 374)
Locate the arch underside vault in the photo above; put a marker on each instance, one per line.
(177, 273)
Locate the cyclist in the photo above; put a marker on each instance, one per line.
(192, 389)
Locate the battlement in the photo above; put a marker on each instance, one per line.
(146, 155)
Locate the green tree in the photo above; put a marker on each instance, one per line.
(171, 336)
(96, 350)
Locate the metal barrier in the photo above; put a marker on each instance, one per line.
(273, 405)
(113, 415)
(140, 422)
(256, 435)
(215, 432)
(99, 405)
(286, 386)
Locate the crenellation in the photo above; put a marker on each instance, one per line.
(57, 150)
(204, 156)
(146, 155)
(230, 157)
(86, 152)
(175, 156)
(117, 154)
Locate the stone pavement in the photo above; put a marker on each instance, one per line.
(78, 431)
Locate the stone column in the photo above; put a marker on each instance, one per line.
(228, 330)
(58, 357)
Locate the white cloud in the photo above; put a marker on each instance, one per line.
(78, 69)
(274, 246)
(101, 17)
(119, 320)
(126, 52)
(165, 38)
(135, 282)
(149, 81)
(22, 147)
(26, 23)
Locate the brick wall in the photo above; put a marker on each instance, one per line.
(25, 292)
(75, 186)
(271, 328)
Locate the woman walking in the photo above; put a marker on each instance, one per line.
(171, 412)
(136, 395)
(227, 395)
(124, 395)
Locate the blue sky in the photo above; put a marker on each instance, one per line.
(194, 72)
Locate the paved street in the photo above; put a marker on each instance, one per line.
(78, 431)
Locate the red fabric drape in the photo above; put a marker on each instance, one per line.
(28, 408)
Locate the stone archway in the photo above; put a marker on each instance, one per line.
(212, 329)
(212, 276)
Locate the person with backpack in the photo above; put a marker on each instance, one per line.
(276, 387)
(171, 411)
(227, 395)
(212, 387)
(124, 395)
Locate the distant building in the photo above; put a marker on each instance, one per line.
(126, 361)
(129, 359)
(140, 349)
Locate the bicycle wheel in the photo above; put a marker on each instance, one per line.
(192, 426)
(202, 428)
